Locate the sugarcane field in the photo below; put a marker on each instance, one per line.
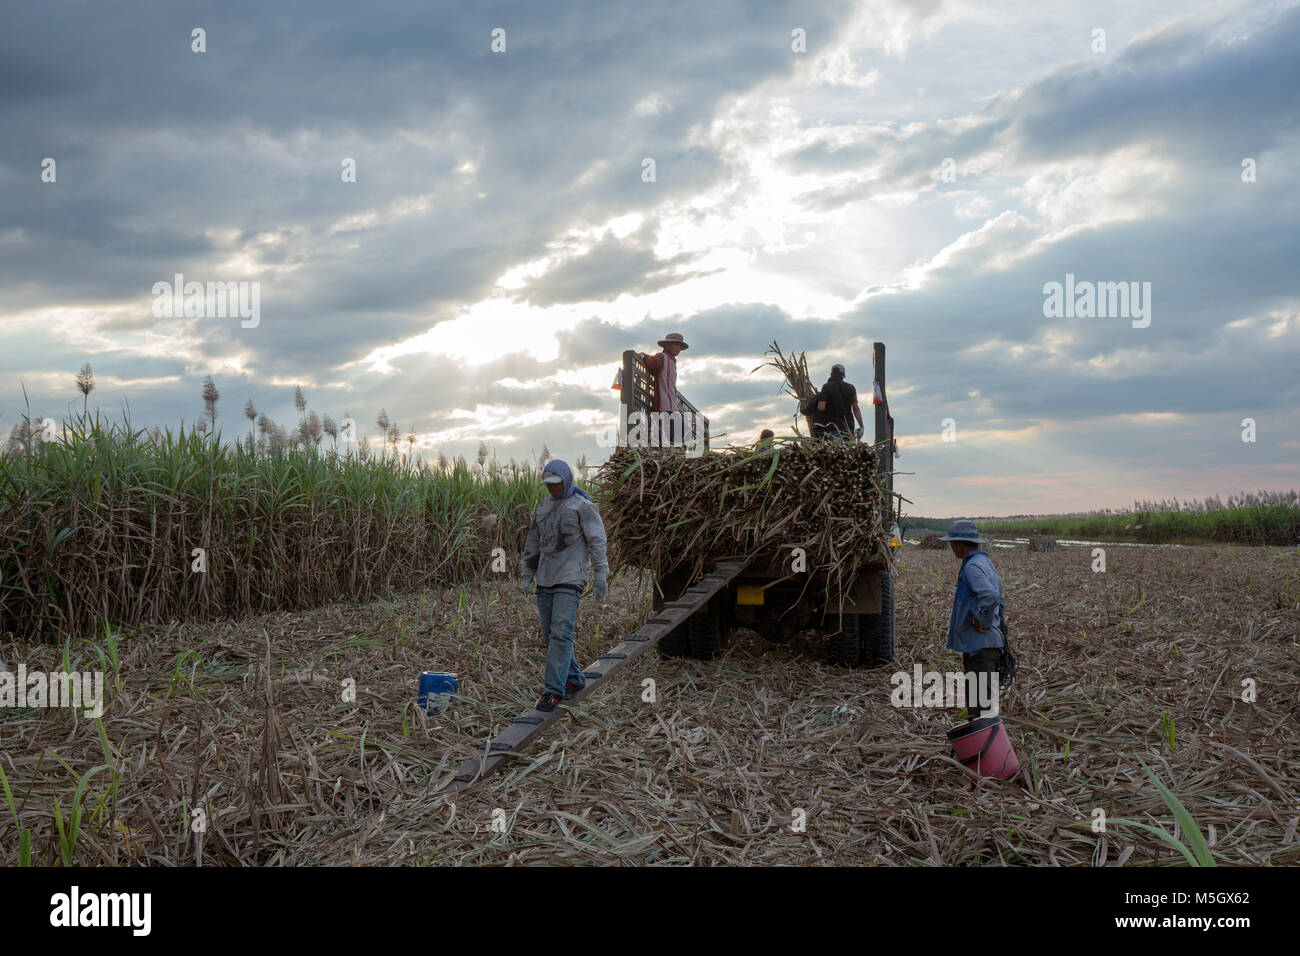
(857, 438)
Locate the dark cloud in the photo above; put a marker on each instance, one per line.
(610, 268)
(1186, 87)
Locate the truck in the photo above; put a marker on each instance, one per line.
(731, 595)
(774, 601)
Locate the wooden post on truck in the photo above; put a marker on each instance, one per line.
(884, 430)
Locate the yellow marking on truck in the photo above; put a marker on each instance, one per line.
(748, 594)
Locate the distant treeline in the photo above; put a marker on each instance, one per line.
(1269, 518)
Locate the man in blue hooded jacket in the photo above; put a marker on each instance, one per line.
(565, 539)
(975, 627)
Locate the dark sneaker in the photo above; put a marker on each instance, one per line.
(548, 703)
(570, 688)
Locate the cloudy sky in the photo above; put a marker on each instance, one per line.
(915, 174)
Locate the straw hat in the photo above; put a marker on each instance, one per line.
(672, 337)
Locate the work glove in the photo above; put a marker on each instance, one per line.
(601, 587)
(526, 581)
(859, 432)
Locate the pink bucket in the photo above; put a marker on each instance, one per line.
(984, 747)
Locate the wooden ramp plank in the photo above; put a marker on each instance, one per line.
(531, 724)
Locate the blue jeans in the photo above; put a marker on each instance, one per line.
(558, 613)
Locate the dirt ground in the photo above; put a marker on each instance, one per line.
(765, 756)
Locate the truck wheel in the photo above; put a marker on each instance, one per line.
(878, 629)
(675, 644)
(706, 632)
(845, 641)
(773, 632)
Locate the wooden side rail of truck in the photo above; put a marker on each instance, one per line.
(636, 385)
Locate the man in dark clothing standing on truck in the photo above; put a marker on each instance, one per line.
(834, 408)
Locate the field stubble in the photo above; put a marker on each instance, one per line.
(245, 720)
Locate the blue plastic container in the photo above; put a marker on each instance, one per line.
(437, 690)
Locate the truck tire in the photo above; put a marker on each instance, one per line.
(845, 640)
(707, 632)
(675, 644)
(773, 632)
(878, 629)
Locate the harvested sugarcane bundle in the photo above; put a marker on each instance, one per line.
(794, 368)
(1041, 542)
(931, 542)
(667, 512)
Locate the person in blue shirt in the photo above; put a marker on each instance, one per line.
(975, 628)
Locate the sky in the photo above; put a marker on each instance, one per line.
(825, 175)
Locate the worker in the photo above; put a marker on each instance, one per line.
(564, 541)
(766, 437)
(834, 407)
(664, 368)
(975, 627)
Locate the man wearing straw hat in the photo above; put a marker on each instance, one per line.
(564, 540)
(664, 368)
(975, 627)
